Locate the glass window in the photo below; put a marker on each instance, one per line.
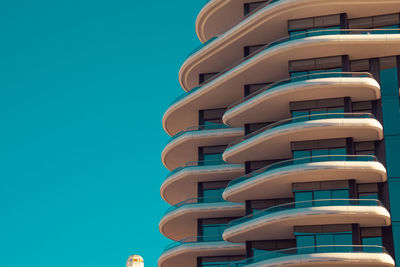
(344, 239)
(212, 195)
(340, 194)
(305, 241)
(213, 232)
(212, 157)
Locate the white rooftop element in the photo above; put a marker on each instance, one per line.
(135, 261)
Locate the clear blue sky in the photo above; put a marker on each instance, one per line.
(84, 85)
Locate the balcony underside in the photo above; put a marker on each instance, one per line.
(357, 259)
(274, 104)
(276, 143)
(184, 184)
(271, 65)
(186, 254)
(185, 147)
(278, 183)
(182, 222)
(280, 225)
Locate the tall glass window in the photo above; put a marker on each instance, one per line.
(323, 238)
(390, 95)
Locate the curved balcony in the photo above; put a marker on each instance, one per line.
(180, 220)
(329, 255)
(227, 86)
(274, 140)
(182, 182)
(275, 180)
(209, 21)
(278, 222)
(186, 251)
(272, 102)
(183, 146)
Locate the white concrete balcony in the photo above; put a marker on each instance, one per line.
(329, 255)
(269, 63)
(272, 103)
(278, 222)
(180, 220)
(276, 180)
(185, 252)
(183, 147)
(274, 140)
(182, 183)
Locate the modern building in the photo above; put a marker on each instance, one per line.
(284, 147)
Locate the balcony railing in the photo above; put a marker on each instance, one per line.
(198, 163)
(307, 204)
(298, 161)
(311, 250)
(303, 118)
(194, 239)
(301, 78)
(287, 39)
(199, 200)
(199, 128)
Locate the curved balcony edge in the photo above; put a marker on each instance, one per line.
(275, 181)
(278, 222)
(328, 255)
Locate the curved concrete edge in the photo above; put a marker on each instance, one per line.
(190, 139)
(356, 259)
(336, 42)
(279, 225)
(366, 89)
(281, 179)
(182, 219)
(361, 129)
(186, 254)
(195, 174)
(244, 26)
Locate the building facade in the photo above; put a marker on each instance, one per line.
(284, 147)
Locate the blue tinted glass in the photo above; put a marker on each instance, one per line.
(211, 157)
(337, 151)
(391, 114)
(319, 152)
(210, 195)
(303, 196)
(368, 196)
(305, 240)
(213, 232)
(340, 194)
(396, 239)
(372, 241)
(343, 239)
(298, 154)
(297, 34)
(258, 252)
(323, 194)
(324, 240)
(300, 116)
(392, 144)
(389, 82)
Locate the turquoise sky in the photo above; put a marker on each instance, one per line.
(84, 85)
